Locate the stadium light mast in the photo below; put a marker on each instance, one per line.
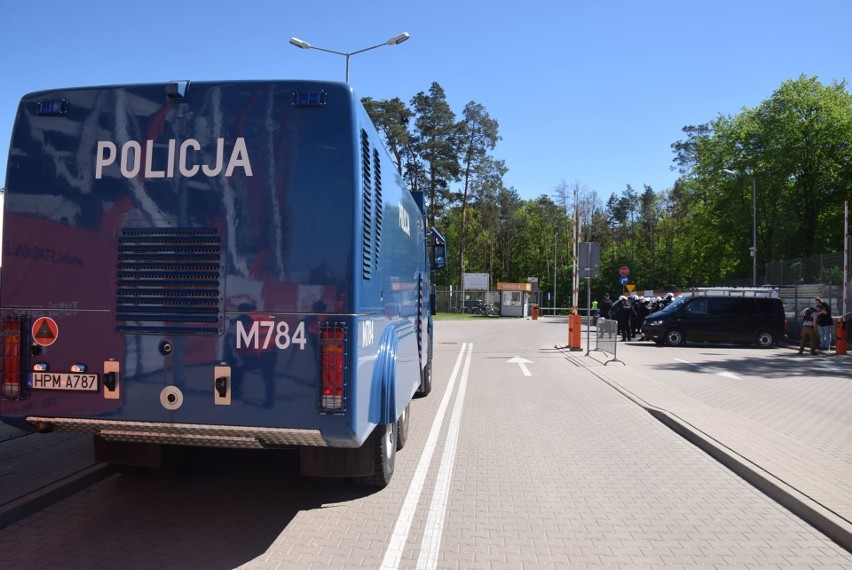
(394, 41)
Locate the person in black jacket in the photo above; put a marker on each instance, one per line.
(621, 312)
(605, 306)
(823, 324)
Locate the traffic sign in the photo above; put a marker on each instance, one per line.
(623, 280)
(624, 270)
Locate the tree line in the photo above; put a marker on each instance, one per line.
(786, 163)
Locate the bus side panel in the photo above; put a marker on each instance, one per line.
(393, 234)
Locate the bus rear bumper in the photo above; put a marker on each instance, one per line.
(237, 437)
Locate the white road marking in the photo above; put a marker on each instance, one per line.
(434, 530)
(396, 545)
(522, 362)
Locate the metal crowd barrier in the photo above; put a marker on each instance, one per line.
(606, 339)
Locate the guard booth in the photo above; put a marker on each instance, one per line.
(514, 299)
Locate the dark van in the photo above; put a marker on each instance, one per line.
(718, 318)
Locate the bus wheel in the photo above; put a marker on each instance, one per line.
(402, 428)
(425, 381)
(383, 442)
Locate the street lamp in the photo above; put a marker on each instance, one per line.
(396, 40)
(730, 172)
(554, 273)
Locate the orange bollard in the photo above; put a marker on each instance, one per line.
(841, 332)
(575, 325)
(535, 312)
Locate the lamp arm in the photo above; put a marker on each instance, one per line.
(366, 49)
(330, 51)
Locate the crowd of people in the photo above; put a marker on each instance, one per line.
(629, 312)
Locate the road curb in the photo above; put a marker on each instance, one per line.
(34, 501)
(818, 516)
(822, 518)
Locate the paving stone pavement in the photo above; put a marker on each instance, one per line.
(802, 460)
(563, 477)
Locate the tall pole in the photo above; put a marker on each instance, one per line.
(754, 231)
(575, 297)
(845, 257)
(554, 272)
(751, 173)
(589, 297)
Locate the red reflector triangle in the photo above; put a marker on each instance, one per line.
(44, 331)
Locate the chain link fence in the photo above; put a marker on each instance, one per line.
(451, 300)
(826, 268)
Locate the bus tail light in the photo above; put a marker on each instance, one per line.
(12, 357)
(332, 340)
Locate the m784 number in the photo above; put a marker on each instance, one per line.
(263, 335)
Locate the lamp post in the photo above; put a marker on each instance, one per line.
(396, 40)
(554, 273)
(730, 172)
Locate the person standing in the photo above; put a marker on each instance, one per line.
(621, 312)
(823, 326)
(605, 306)
(809, 333)
(635, 316)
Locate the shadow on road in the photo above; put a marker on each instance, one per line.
(216, 509)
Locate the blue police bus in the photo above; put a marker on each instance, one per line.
(217, 264)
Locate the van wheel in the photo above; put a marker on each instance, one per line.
(402, 428)
(674, 337)
(765, 339)
(383, 442)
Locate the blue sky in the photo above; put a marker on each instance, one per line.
(591, 92)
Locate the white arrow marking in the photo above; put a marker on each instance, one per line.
(522, 362)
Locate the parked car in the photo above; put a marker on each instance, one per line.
(720, 318)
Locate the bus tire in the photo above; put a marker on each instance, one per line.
(402, 428)
(382, 444)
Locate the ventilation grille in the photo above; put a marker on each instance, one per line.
(372, 205)
(367, 208)
(169, 282)
(378, 205)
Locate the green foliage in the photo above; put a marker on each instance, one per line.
(437, 141)
(794, 149)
